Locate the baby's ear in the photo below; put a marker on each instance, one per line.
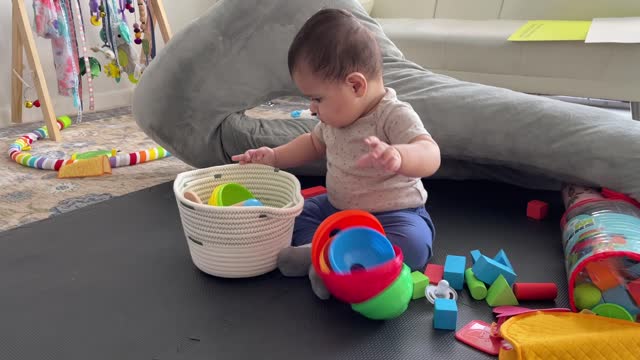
(358, 83)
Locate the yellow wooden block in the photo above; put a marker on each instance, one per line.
(97, 166)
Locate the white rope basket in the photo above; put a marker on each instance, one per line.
(237, 241)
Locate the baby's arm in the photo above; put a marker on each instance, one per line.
(411, 151)
(419, 158)
(299, 151)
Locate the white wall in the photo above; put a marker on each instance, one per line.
(108, 93)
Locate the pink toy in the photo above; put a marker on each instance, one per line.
(477, 334)
(509, 311)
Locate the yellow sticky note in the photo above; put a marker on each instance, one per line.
(552, 30)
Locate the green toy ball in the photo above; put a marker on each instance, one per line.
(586, 296)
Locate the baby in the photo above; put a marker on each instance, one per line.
(376, 147)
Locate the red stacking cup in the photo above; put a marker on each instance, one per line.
(535, 291)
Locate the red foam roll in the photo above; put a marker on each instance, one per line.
(535, 291)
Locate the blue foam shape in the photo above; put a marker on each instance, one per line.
(487, 270)
(445, 314)
(454, 271)
(475, 255)
(502, 258)
(296, 114)
(619, 295)
(633, 271)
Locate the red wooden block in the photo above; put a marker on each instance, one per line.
(434, 273)
(535, 291)
(633, 288)
(313, 191)
(537, 209)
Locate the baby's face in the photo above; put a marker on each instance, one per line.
(333, 102)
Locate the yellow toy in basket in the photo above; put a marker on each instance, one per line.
(571, 336)
(232, 194)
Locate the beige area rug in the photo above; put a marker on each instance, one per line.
(28, 195)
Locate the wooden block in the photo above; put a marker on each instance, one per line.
(537, 209)
(420, 282)
(500, 293)
(619, 295)
(313, 191)
(633, 288)
(502, 258)
(603, 275)
(97, 166)
(434, 272)
(475, 255)
(454, 267)
(488, 270)
(445, 314)
(476, 287)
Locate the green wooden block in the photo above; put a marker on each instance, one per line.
(420, 283)
(500, 293)
(476, 287)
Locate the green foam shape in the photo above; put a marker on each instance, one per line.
(500, 293)
(476, 287)
(420, 283)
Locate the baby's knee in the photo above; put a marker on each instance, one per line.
(417, 257)
(415, 245)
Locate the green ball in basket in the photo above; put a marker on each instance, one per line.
(232, 194)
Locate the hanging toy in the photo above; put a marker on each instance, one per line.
(138, 34)
(31, 104)
(28, 103)
(95, 21)
(129, 6)
(108, 54)
(94, 10)
(123, 32)
(113, 71)
(95, 67)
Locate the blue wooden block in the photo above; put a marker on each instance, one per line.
(487, 270)
(619, 295)
(633, 270)
(475, 255)
(454, 267)
(502, 258)
(445, 314)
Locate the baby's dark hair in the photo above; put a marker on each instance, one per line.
(334, 43)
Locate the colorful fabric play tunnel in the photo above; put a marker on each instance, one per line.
(378, 290)
(601, 240)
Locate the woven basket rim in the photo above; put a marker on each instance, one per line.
(294, 208)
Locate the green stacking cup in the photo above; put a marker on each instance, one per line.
(391, 302)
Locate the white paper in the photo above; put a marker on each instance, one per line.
(614, 30)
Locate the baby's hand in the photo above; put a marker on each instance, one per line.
(263, 155)
(380, 155)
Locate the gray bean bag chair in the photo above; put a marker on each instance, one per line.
(192, 98)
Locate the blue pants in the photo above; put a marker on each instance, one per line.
(410, 229)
